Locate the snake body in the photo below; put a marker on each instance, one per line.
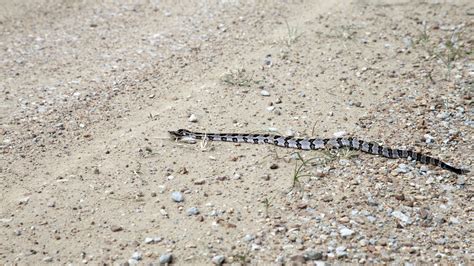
(316, 144)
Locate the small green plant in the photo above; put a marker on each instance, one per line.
(243, 258)
(448, 51)
(347, 153)
(239, 77)
(329, 156)
(293, 34)
(299, 168)
(424, 39)
(267, 205)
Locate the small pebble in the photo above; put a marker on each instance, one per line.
(132, 262)
(193, 118)
(47, 259)
(152, 240)
(177, 196)
(339, 134)
(192, 211)
(218, 260)
(24, 201)
(403, 168)
(408, 42)
(402, 217)
(274, 166)
(453, 220)
(166, 258)
(137, 255)
(442, 115)
(424, 168)
(312, 254)
(268, 60)
(264, 93)
(298, 259)
(428, 138)
(164, 212)
(116, 228)
(200, 182)
(248, 238)
(341, 252)
(346, 232)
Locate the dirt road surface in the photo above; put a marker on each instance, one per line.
(89, 90)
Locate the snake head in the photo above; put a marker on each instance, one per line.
(180, 133)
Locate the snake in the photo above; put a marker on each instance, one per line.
(316, 144)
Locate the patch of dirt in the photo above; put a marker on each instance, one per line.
(89, 91)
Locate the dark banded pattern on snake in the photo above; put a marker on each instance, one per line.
(316, 144)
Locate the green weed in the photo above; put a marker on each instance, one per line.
(448, 51)
(299, 168)
(239, 77)
(292, 34)
(267, 205)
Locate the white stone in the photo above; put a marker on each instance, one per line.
(339, 134)
(346, 232)
(402, 217)
(193, 118)
(137, 255)
(177, 196)
(166, 258)
(218, 260)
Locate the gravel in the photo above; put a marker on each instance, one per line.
(346, 232)
(137, 256)
(313, 255)
(177, 196)
(341, 251)
(218, 260)
(153, 240)
(249, 238)
(192, 211)
(404, 219)
(403, 168)
(132, 262)
(68, 117)
(339, 134)
(48, 259)
(193, 118)
(116, 228)
(166, 258)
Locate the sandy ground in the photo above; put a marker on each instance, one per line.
(90, 89)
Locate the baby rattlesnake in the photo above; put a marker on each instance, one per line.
(316, 144)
